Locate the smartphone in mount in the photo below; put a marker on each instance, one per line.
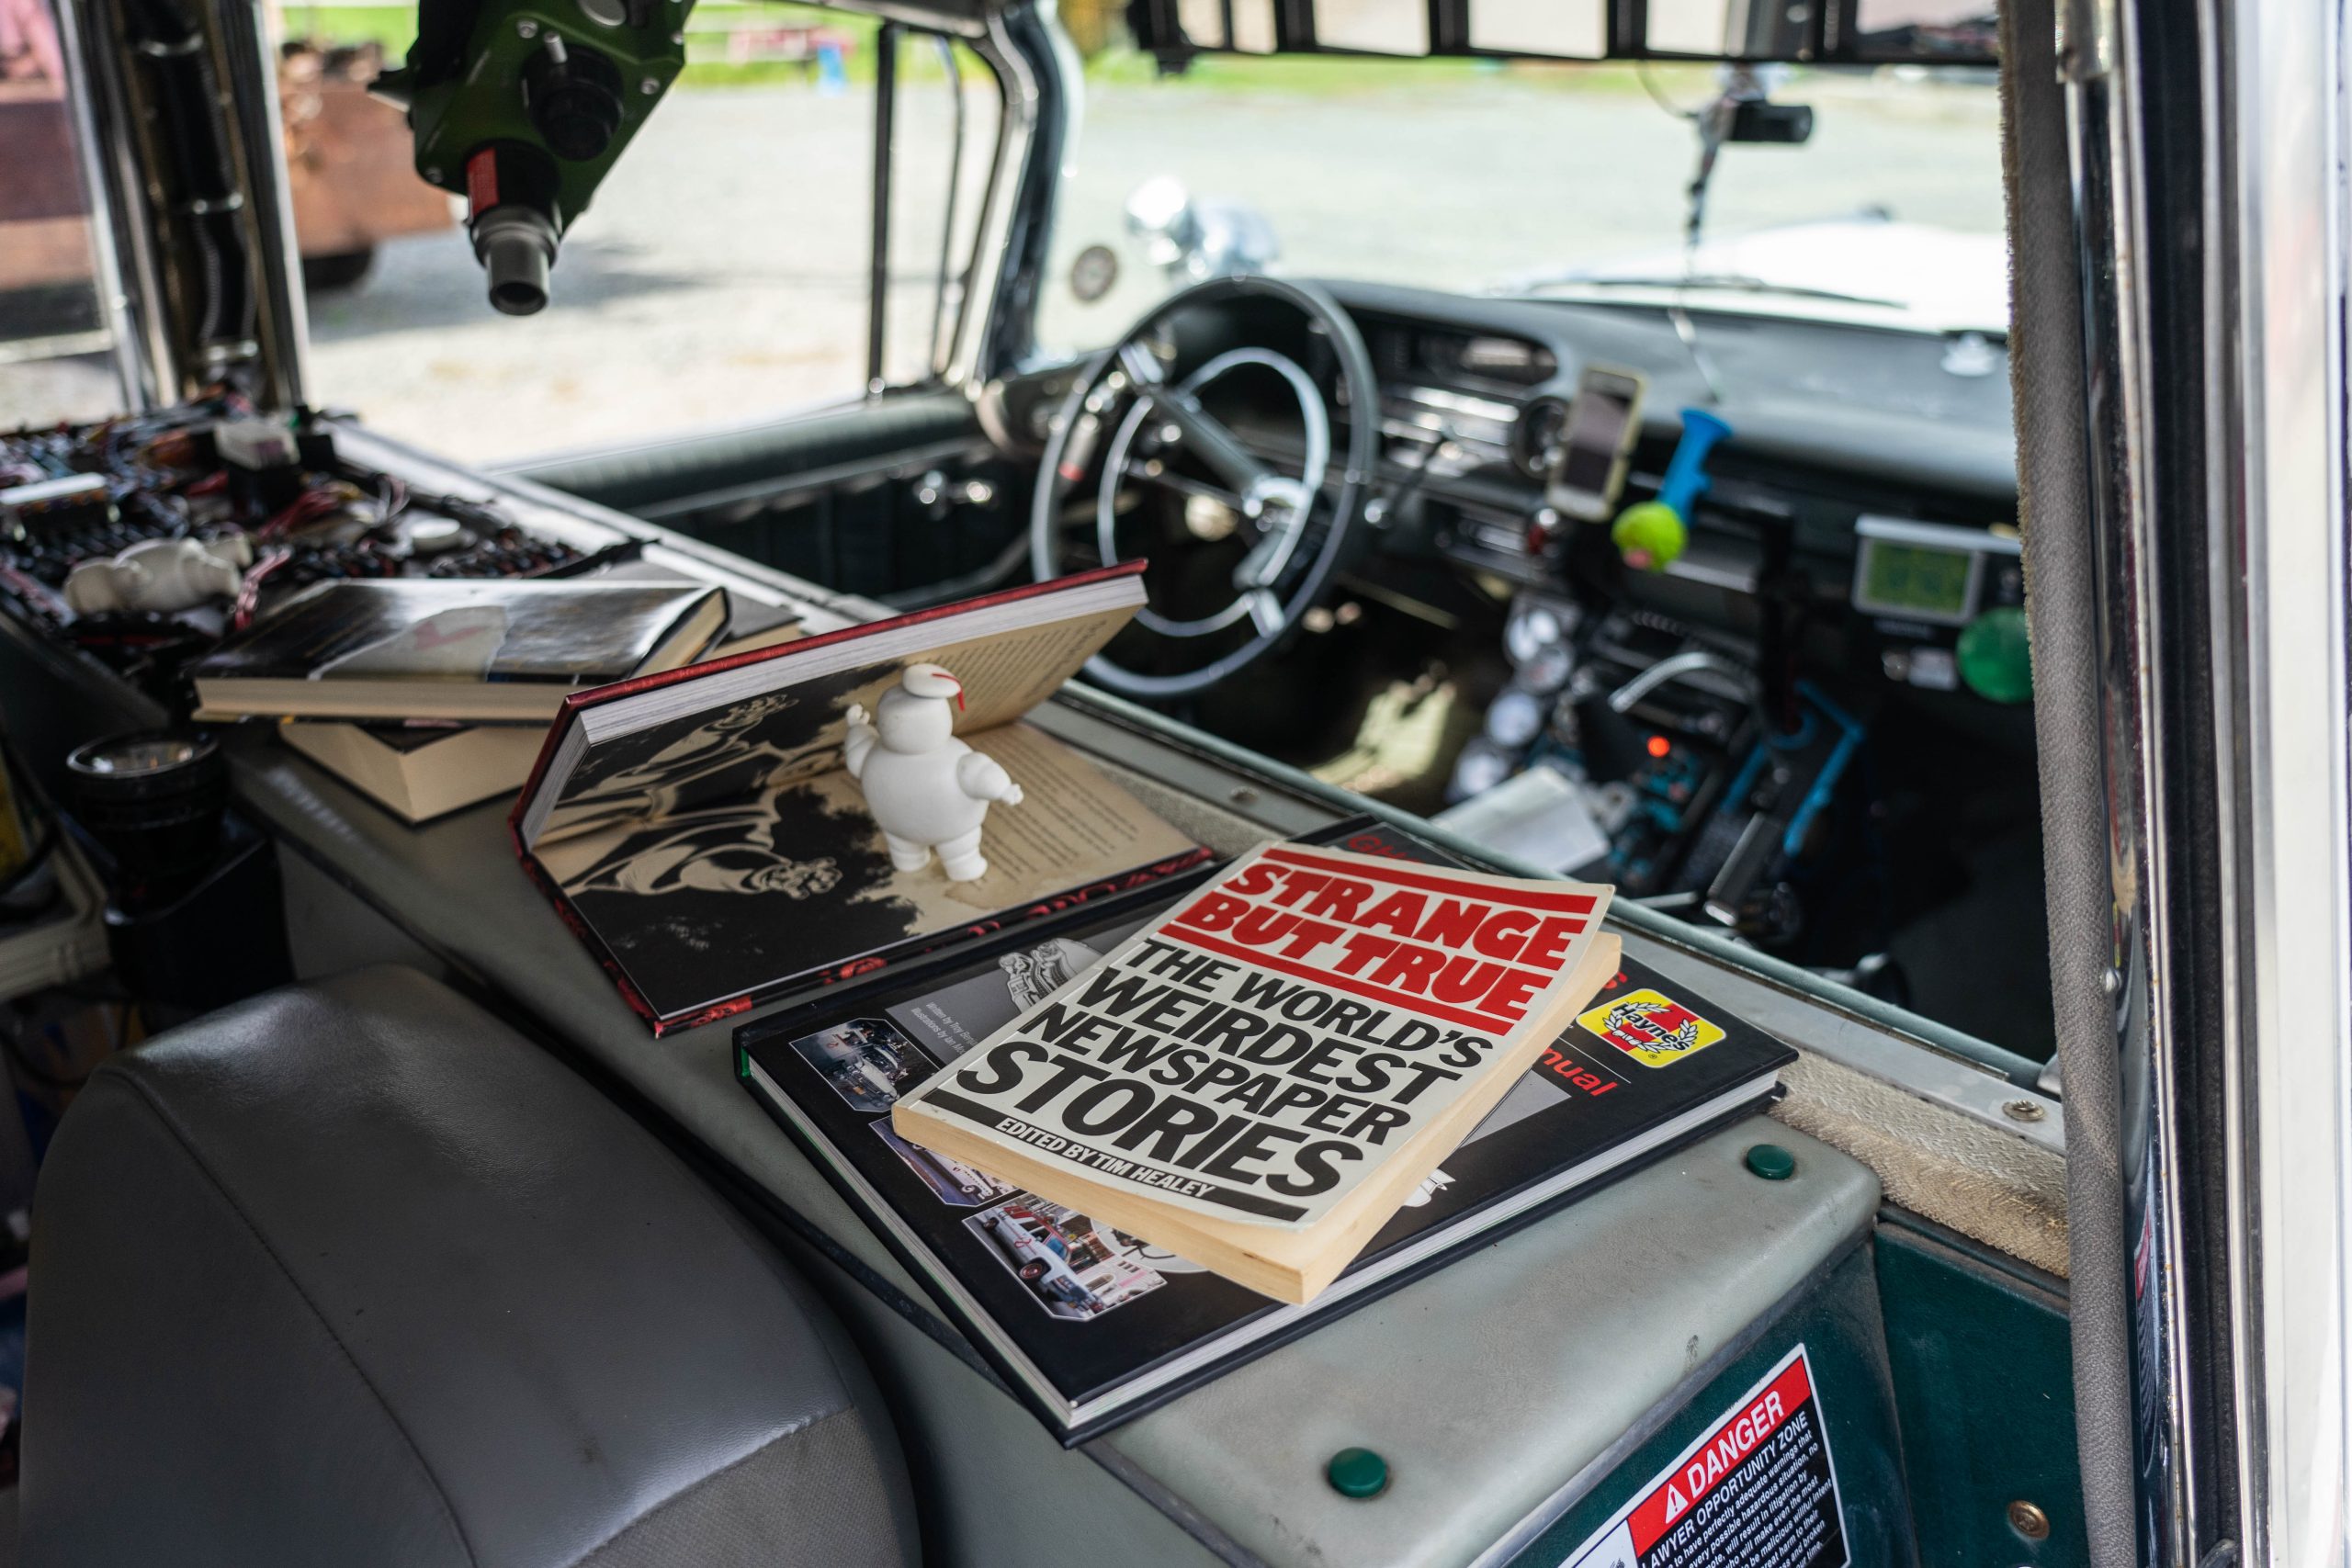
(1589, 472)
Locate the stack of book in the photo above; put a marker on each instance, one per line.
(1131, 1148)
(428, 695)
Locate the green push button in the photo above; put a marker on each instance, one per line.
(1358, 1472)
(1994, 657)
(1771, 1162)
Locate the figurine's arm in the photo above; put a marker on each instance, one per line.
(982, 777)
(862, 737)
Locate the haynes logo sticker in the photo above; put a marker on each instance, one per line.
(1655, 1029)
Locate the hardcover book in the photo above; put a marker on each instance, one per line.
(1257, 1078)
(701, 833)
(1095, 1324)
(497, 651)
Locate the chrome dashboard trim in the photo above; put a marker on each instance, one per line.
(1502, 413)
(1937, 535)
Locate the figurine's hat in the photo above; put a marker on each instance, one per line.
(932, 681)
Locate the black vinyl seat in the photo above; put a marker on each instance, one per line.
(352, 1274)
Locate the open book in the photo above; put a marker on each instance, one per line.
(1258, 1079)
(700, 831)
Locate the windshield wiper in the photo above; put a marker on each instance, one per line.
(1734, 282)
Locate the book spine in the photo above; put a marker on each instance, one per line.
(588, 938)
(566, 716)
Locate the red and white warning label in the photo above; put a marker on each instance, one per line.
(1756, 1490)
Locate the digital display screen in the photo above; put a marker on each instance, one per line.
(1595, 434)
(1899, 576)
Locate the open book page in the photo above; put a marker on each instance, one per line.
(702, 905)
(796, 731)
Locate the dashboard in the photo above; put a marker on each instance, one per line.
(1784, 731)
(1855, 444)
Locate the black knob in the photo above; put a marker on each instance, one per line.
(574, 94)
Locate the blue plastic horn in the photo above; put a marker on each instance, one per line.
(1651, 535)
(1685, 475)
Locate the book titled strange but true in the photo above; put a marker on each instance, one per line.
(1258, 1079)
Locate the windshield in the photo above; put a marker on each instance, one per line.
(1481, 176)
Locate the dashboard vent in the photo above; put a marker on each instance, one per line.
(1401, 353)
(1513, 361)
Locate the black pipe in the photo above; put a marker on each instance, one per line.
(886, 95)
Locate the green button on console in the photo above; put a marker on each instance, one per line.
(1771, 1162)
(1358, 1472)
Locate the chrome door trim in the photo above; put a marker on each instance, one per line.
(2281, 141)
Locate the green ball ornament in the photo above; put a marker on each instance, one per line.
(1650, 536)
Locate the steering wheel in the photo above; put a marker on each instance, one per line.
(1163, 429)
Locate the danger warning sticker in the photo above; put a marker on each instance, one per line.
(1757, 1490)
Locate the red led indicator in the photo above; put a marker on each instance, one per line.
(1659, 745)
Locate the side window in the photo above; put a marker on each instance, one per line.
(54, 346)
(948, 117)
(722, 274)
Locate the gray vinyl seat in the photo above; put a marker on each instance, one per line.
(353, 1274)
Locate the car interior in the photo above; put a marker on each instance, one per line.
(361, 1221)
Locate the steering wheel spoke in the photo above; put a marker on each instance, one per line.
(1166, 478)
(1265, 611)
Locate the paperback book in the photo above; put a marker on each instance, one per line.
(701, 832)
(1258, 1077)
(1093, 1323)
(418, 772)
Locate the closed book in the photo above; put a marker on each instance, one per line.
(418, 772)
(1093, 1325)
(419, 648)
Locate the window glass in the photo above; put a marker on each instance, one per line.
(1475, 175)
(1795, 714)
(54, 359)
(721, 274)
(938, 190)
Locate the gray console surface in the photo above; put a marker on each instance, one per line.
(1498, 1386)
(1490, 1384)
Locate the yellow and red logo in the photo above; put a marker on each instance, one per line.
(1655, 1029)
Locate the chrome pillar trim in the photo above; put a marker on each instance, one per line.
(248, 61)
(2282, 140)
(104, 122)
(136, 346)
(1020, 86)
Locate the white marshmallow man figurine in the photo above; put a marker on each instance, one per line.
(927, 789)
